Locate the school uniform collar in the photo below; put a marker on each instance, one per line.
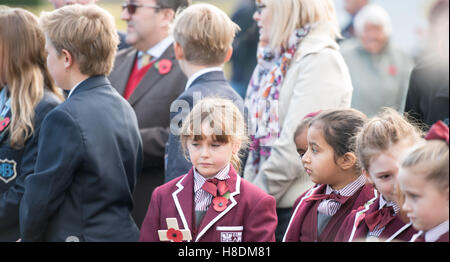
(199, 180)
(435, 233)
(71, 90)
(91, 82)
(200, 73)
(157, 51)
(349, 189)
(384, 202)
(183, 197)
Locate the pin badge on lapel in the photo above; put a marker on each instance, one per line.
(174, 234)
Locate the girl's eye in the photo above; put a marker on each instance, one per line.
(301, 152)
(215, 145)
(194, 144)
(413, 197)
(384, 177)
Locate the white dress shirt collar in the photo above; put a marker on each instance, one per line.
(435, 233)
(200, 73)
(157, 50)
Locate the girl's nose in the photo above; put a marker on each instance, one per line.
(256, 16)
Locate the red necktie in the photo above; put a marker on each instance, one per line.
(381, 217)
(333, 196)
(215, 185)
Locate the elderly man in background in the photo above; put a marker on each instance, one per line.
(380, 72)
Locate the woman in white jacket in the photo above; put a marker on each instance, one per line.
(299, 71)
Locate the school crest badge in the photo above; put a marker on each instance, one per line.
(7, 170)
(230, 236)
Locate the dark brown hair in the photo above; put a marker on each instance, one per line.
(339, 128)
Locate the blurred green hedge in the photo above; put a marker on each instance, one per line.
(21, 2)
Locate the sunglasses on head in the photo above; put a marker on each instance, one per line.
(131, 7)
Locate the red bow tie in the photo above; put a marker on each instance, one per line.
(333, 196)
(381, 217)
(215, 185)
(438, 131)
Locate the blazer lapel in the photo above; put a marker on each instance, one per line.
(152, 77)
(212, 216)
(301, 206)
(183, 199)
(123, 66)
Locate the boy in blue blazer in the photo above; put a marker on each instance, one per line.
(89, 149)
(203, 37)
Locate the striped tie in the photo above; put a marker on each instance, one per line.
(144, 60)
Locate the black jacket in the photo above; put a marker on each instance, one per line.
(15, 166)
(89, 156)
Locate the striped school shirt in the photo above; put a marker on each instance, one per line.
(202, 198)
(377, 231)
(329, 207)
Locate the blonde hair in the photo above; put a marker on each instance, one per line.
(87, 32)
(23, 69)
(205, 33)
(433, 155)
(226, 121)
(290, 15)
(383, 131)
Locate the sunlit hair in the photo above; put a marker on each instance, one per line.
(23, 69)
(290, 15)
(226, 123)
(87, 32)
(205, 33)
(383, 131)
(432, 156)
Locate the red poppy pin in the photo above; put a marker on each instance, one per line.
(220, 203)
(392, 70)
(4, 123)
(164, 66)
(174, 235)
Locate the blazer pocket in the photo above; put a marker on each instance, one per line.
(230, 233)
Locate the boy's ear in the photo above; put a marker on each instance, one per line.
(169, 15)
(347, 161)
(68, 59)
(179, 53)
(229, 54)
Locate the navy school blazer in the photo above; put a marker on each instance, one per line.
(15, 165)
(89, 155)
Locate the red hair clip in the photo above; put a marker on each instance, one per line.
(313, 114)
(438, 131)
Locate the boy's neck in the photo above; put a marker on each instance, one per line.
(74, 79)
(191, 69)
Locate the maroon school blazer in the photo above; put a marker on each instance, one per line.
(303, 224)
(355, 229)
(250, 215)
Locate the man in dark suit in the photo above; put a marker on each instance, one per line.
(89, 148)
(149, 77)
(203, 65)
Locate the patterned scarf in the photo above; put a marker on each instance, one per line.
(263, 94)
